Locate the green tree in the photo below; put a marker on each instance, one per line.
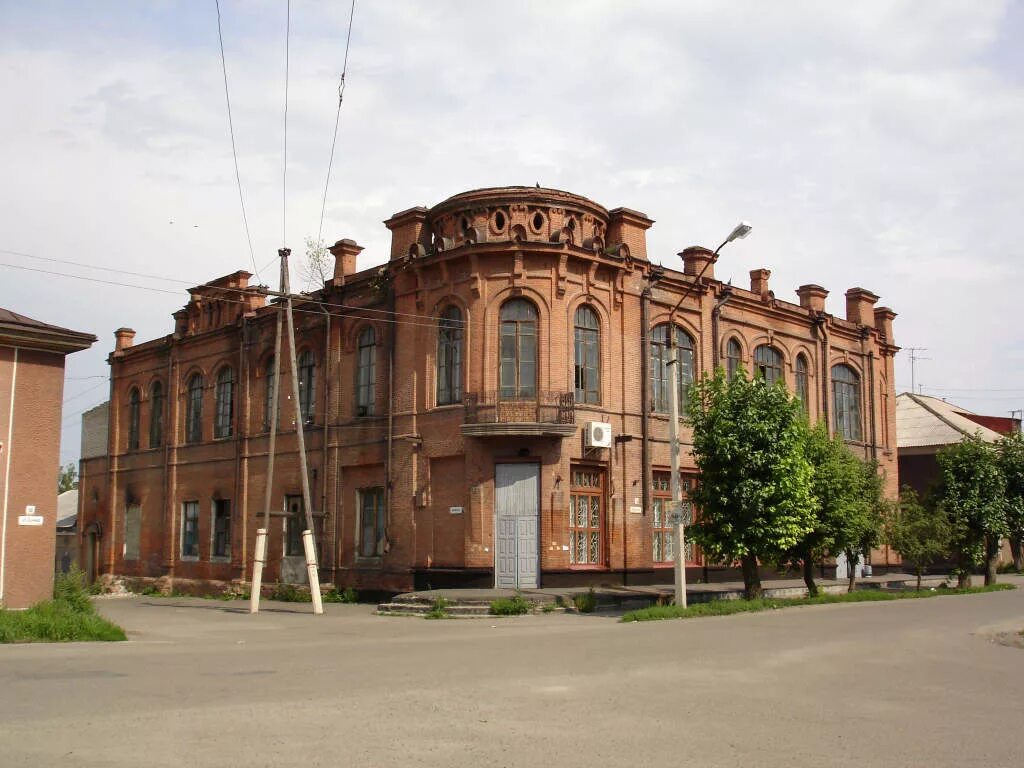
(972, 494)
(847, 495)
(755, 489)
(920, 535)
(67, 478)
(1011, 458)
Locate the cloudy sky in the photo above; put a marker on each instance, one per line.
(875, 144)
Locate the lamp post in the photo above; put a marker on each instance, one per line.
(741, 230)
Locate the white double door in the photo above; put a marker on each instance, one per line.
(516, 516)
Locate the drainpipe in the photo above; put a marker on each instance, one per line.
(170, 394)
(821, 323)
(5, 453)
(716, 313)
(645, 401)
(869, 358)
(327, 421)
(388, 495)
(241, 436)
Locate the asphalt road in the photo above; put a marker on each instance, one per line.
(201, 683)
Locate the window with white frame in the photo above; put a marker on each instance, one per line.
(190, 530)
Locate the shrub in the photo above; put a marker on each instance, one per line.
(289, 593)
(347, 595)
(585, 602)
(70, 616)
(70, 588)
(510, 606)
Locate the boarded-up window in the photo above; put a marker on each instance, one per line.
(132, 532)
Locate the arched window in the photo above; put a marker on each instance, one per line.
(802, 390)
(133, 419)
(449, 356)
(660, 369)
(156, 414)
(307, 386)
(846, 402)
(733, 357)
(366, 377)
(588, 355)
(768, 364)
(194, 409)
(224, 400)
(269, 406)
(518, 350)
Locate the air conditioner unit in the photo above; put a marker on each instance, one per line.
(598, 434)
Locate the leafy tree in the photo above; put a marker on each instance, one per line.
(1011, 458)
(920, 535)
(755, 490)
(67, 478)
(847, 495)
(972, 493)
(317, 268)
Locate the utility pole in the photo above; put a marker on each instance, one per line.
(913, 359)
(308, 544)
(741, 230)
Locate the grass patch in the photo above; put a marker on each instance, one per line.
(727, 607)
(585, 602)
(439, 609)
(68, 617)
(510, 606)
(347, 595)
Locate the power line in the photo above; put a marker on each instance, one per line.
(337, 122)
(234, 151)
(284, 173)
(192, 283)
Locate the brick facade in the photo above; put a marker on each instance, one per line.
(429, 452)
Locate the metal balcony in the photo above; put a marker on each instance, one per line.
(548, 414)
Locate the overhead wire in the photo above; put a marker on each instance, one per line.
(234, 150)
(334, 137)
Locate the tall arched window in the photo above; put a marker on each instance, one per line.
(224, 400)
(307, 386)
(660, 371)
(449, 356)
(802, 389)
(768, 364)
(518, 350)
(194, 409)
(588, 356)
(133, 419)
(733, 357)
(366, 376)
(846, 402)
(156, 414)
(269, 406)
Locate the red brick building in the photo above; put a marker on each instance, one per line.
(31, 391)
(448, 397)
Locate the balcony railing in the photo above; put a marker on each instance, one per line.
(548, 413)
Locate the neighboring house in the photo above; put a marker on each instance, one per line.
(487, 408)
(66, 556)
(925, 425)
(31, 391)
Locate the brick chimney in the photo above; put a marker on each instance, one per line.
(408, 227)
(759, 282)
(860, 304)
(123, 338)
(695, 257)
(345, 253)
(629, 228)
(812, 297)
(883, 322)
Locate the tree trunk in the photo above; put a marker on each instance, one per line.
(1018, 555)
(812, 587)
(751, 578)
(851, 570)
(919, 569)
(991, 559)
(963, 574)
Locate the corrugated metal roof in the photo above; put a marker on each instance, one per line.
(67, 508)
(924, 421)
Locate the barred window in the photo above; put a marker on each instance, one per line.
(586, 517)
(224, 403)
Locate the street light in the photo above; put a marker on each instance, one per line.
(739, 232)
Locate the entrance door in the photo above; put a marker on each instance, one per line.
(91, 546)
(516, 512)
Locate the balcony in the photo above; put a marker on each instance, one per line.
(549, 414)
